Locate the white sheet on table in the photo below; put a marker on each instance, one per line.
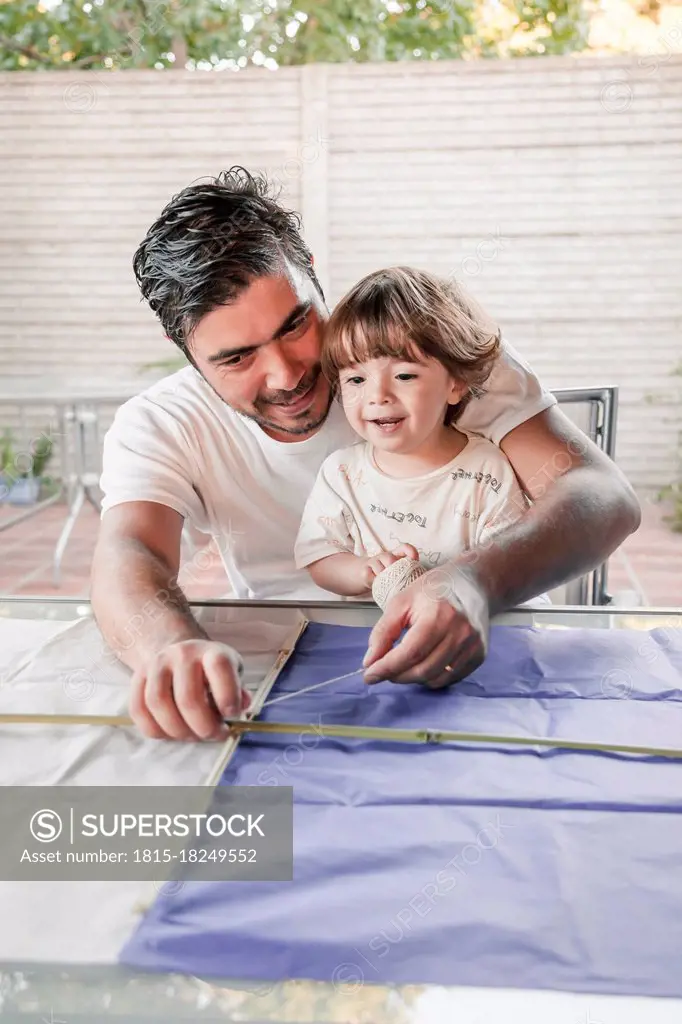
(74, 672)
(521, 1006)
(17, 636)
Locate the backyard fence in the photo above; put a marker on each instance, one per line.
(549, 187)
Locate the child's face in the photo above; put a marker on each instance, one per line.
(395, 404)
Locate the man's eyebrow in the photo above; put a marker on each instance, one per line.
(299, 310)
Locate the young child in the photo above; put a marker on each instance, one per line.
(405, 351)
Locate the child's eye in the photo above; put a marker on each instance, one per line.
(406, 376)
(354, 380)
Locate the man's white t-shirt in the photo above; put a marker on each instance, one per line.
(180, 445)
(356, 507)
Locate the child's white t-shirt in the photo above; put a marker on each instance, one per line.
(355, 507)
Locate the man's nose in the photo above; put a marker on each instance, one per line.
(283, 371)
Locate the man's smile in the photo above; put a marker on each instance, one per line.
(298, 402)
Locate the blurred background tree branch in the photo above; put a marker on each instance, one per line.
(233, 34)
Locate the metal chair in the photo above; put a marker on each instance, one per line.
(595, 412)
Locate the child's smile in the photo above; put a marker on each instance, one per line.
(388, 425)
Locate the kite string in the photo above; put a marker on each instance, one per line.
(315, 686)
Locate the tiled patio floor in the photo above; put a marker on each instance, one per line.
(649, 564)
(27, 552)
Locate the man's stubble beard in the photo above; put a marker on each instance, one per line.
(305, 427)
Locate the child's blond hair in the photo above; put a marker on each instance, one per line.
(406, 314)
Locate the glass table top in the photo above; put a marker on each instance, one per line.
(57, 993)
(366, 613)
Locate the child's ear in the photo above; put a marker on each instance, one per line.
(459, 390)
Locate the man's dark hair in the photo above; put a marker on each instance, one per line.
(209, 243)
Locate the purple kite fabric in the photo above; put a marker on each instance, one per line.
(515, 867)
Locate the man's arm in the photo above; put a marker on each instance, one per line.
(137, 603)
(146, 619)
(583, 509)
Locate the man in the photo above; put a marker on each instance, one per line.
(233, 442)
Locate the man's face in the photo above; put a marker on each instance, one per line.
(261, 355)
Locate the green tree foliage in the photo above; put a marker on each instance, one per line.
(552, 27)
(42, 34)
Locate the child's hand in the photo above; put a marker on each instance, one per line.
(371, 567)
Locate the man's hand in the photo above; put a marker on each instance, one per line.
(370, 568)
(446, 617)
(186, 691)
